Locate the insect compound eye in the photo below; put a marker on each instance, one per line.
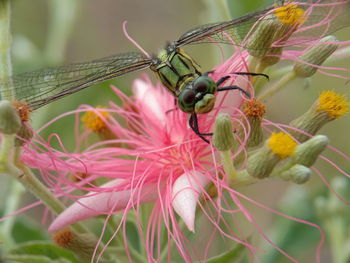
(188, 96)
(187, 99)
(201, 86)
(204, 84)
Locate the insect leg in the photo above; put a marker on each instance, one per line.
(234, 87)
(250, 74)
(223, 79)
(194, 126)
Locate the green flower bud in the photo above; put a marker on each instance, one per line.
(328, 107)
(272, 57)
(279, 146)
(223, 138)
(10, 122)
(82, 245)
(299, 174)
(308, 152)
(276, 27)
(254, 111)
(262, 162)
(315, 56)
(262, 38)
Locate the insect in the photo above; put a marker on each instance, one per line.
(194, 91)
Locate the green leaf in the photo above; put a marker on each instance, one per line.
(230, 256)
(25, 230)
(40, 248)
(34, 259)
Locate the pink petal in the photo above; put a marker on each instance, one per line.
(149, 97)
(103, 203)
(186, 190)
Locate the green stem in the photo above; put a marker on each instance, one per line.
(5, 48)
(16, 190)
(229, 169)
(7, 143)
(344, 53)
(29, 180)
(164, 249)
(7, 166)
(243, 178)
(112, 223)
(253, 62)
(278, 86)
(336, 231)
(5, 72)
(224, 9)
(62, 17)
(259, 82)
(31, 183)
(260, 67)
(135, 255)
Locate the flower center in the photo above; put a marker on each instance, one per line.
(334, 104)
(290, 14)
(95, 120)
(282, 144)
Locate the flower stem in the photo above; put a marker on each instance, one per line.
(5, 48)
(16, 190)
(278, 86)
(224, 9)
(229, 169)
(62, 17)
(253, 63)
(5, 72)
(243, 178)
(259, 83)
(7, 143)
(339, 55)
(6, 165)
(31, 183)
(336, 230)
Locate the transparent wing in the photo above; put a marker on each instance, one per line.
(321, 17)
(40, 87)
(215, 32)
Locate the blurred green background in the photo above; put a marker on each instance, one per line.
(55, 32)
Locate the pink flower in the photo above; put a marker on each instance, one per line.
(151, 155)
(170, 165)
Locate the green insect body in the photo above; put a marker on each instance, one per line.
(182, 76)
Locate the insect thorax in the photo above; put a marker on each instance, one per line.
(175, 69)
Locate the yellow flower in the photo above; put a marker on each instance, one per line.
(290, 14)
(334, 104)
(282, 144)
(94, 122)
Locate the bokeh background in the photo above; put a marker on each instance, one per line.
(55, 32)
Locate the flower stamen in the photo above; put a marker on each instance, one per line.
(290, 14)
(336, 105)
(94, 122)
(282, 144)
